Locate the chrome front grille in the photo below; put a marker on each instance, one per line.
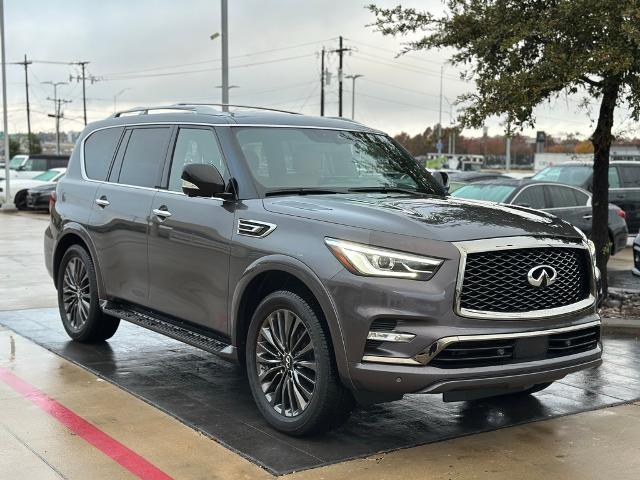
(496, 281)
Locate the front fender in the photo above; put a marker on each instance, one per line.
(305, 274)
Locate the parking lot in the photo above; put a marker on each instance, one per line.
(154, 405)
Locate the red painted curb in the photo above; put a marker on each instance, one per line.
(124, 456)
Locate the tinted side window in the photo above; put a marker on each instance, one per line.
(630, 176)
(560, 197)
(614, 178)
(145, 154)
(532, 197)
(99, 150)
(194, 145)
(36, 165)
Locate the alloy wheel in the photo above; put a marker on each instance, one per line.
(76, 293)
(286, 363)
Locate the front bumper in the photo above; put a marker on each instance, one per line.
(415, 378)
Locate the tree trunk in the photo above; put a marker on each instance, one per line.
(600, 203)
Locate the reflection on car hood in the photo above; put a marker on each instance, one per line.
(46, 187)
(446, 219)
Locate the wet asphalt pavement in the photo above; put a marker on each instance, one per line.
(213, 396)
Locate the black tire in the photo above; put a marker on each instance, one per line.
(80, 312)
(21, 200)
(330, 403)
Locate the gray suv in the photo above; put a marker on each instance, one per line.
(317, 253)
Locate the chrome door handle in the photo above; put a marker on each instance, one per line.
(102, 202)
(161, 213)
(587, 216)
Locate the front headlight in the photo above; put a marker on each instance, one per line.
(592, 249)
(377, 262)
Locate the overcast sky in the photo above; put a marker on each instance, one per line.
(160, 52)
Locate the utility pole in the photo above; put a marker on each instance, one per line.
(225, 54)
(340, 51)
(322, 82)
(439, 144)
(84, 78)
(8, 205)
(26, 64)
(353, 94)
(57, 104)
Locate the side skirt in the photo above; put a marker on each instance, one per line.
(170, 327)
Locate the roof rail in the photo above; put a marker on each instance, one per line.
(146, 110)
(237, 106)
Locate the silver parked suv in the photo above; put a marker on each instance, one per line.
(319, 254)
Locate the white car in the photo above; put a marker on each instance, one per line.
(20, 186)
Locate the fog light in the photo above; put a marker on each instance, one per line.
(390, 336)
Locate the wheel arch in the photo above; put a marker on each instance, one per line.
(75, 234)
(272, 273)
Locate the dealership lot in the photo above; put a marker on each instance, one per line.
(133, 390)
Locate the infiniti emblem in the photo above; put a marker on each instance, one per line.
(542, 275)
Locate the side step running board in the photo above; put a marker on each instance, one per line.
(173, 329)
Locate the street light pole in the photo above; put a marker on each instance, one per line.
(8, 205)
(225, 53)
(57, 107)
(115, 99)
(353, 94)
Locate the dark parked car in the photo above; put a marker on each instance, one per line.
(459, 179)
(316, 252)
(569, 203)
(38, 197)
(624, 184)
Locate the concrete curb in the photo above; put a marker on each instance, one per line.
(621, 325)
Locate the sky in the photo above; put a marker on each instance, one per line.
(159, 52)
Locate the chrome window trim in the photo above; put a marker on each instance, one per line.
(513, 243)
(83, 172)
(423, 358)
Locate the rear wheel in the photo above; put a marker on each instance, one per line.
(78, 300)
(291, 369)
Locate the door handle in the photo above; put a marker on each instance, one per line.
(161, 213)
(102, 202)
(588, 216)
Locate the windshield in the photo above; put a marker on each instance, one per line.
(329, 161)
(16, 161)
(489, 192)
(572, 175)
(47, 176)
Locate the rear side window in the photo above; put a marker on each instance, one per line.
(630, 176)
(614, 178)
(145, 155)
(561, 197)
(99, 150)
(36, 165)
(532, 197)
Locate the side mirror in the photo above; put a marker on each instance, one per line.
(202, 180)
(442, 178)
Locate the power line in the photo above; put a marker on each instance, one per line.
(187, 72)
(205, 62)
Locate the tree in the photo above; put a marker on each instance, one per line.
(33, 141)
(520, 53)
(14, 147)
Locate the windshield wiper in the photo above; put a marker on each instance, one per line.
(300, 191)
(386, 189)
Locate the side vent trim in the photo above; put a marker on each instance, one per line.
(253, 228)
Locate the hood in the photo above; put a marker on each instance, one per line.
(447, 219)
(46, 187)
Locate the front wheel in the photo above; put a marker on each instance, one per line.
(291, 370)
(78, 301)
